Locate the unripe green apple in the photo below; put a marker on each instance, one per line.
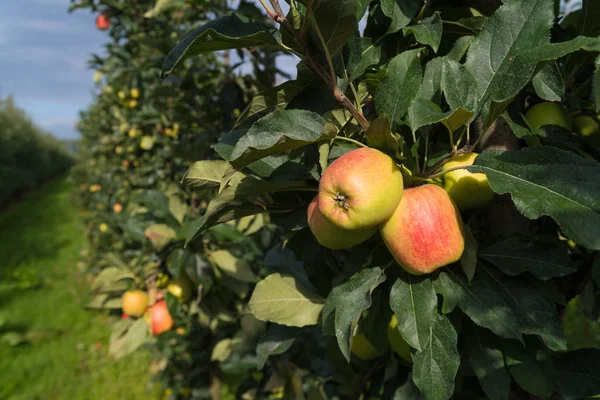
(360, 189)
(182, 287)
(548, 113)
(331, 235)
(396, 341)
(134, 302)
(466, 189)
(160, 317)
(426, 230)
(587, 127)
(362, 348)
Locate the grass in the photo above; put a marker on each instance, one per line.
(50, 347)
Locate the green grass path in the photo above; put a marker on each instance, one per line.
(50, 347)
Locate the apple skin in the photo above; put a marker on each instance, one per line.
(362, 348)
(331, 235)
(360, 189)
(426, 231)
(102, 22)
(397, 342)
(466, 189)
(548, 113)
(587, 127)
(134, 302)
(161, 318)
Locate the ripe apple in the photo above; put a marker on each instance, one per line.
(360, 189)
(587, 127)
(466, 189)
(161, 318)
(117, 207)
(181, 287)
(548, 113)
(398, 344)
(134, 302)
(102, 22)
(426, 230)
(331, 235)
(362, 348)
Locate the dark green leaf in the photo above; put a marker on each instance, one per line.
(399, 86)
(517, 123)
(336, 20)
(346, 303)
(423, 112)
(596, 271)
(536, 314)
(400, 12)
(436, 365)
(230, 32)
(458, 86)
(278, 340)
(578, 373)
(520, 253)
(408, 391)
(414, 302)
(468, 260)
(482, 304)
(428, 31)
(277, 132)
(379, 136)
(541, 182)
(596, 85)
(534, 376)
(549, 83)
(487, 360)
(589, 18)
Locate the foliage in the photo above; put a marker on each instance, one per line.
(423, 82)
(28, 156)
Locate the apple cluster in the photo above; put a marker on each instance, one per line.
(363, 191)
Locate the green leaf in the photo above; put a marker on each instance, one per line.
(235, 267)
(408, 391)
(399, 86)
(536, 314)
(346, 303)
(458, 118)
(589, 18)
(468, 260)
(578, 373)
(423, 112)
(596, 271)
(436, 365)
(458, 86)
(362, 54)
(414, 302)
(487, 360)
(337, 22)
(557, 136)
(281, 299)
(206, 173)
(596, 84)
(517, 123)
(278, 340)
(229, 32)
(428, 31)
(484, 305)
(534, 376)
(549, 83)
(160, 235)
(400, 12)
(541, 182)
(380, 136)
(553, 51)
(277, 132)
(517, 254)
(127, 337)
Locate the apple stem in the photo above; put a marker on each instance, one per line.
(467, 148)
(356, 142)
(446, 171)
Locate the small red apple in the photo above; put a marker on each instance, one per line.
(161, 318)
(360, 189)
(102, 22)
(426, 230)
(331, 235)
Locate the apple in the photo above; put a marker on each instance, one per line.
(360, 189)
(362, 348)
(426, 230)
(397, 342)
(331, 235)
(466, 189)
(102, 22)
(117, 207)
(548, 113)
(587, 127)
(134, 302)
(181, 287)
(161, 318)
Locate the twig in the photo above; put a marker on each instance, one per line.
(465, 149)
(325, 48)
(446, 171)
(356, 142)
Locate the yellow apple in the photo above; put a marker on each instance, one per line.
(548, 113)
(135, 302)
(398, 344)
(587, 127)
(362, 348)
(466, 189)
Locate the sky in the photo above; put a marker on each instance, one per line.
(44, 60)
